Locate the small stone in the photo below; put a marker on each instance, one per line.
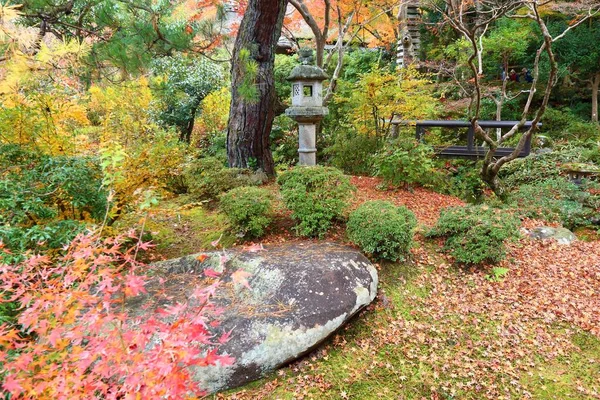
(560, 234)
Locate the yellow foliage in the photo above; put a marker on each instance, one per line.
(34, 111)
(8, 14)
(215, 113)
(152, 164)
(137, 155)
(121, 110)
(113, 120)
(44, 121)
(53, 55)
(381, 96)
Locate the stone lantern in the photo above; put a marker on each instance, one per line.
(307, 105)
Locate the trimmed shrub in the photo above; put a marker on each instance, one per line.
(207, 178)
(555, 200)
(382, 229)
(316, 196)
(248, 209)
(476, 234)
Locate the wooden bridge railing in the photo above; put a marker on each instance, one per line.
(470, 150)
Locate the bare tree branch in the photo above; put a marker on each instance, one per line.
(320, 36)
(342, 29)
(582, 20)
(460, 15)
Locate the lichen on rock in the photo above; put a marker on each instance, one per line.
(300, 293)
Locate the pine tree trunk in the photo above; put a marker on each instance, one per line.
(595, 84)
(250, 120)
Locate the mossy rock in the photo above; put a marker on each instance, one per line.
(581, 168)
(299, 294)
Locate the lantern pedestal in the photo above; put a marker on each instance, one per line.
(307, 118)
(307, 108)
(307, 138)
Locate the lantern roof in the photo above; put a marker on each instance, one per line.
(307, 73)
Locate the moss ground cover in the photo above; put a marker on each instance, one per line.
(436, 330)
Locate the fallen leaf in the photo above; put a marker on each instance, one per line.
(253, 248)
(240, 276)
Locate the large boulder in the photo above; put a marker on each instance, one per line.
(299, 294)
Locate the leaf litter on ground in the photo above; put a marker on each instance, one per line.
(450, 331)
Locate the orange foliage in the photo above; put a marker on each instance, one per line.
(374, 22)
(75, 339)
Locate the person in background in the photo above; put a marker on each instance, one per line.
(527, 75)
(513, 76)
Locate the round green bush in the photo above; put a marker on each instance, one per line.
(316, 196)
(207, 178)
(476, 234)
(382, 229)
(248, 209)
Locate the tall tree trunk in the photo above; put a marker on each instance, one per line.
(595, 84)
(185, 133)
(251, 119)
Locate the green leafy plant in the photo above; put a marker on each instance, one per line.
(563, 124)
(316, 196)
(406, 162)
(353, 153)
(184, 83)
(359, 61)
(476, 234)
(207, 178)
(44, 200)
(284, 141)
(464, 181)
(497, 274)
(539, 167)
(9, 310)
(555, 200)
(249, 209)
(284, 64)
(382, 229)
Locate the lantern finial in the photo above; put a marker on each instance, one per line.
(306, 56)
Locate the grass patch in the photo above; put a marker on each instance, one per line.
(574, 376)
(181, 229)
(587, 234)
